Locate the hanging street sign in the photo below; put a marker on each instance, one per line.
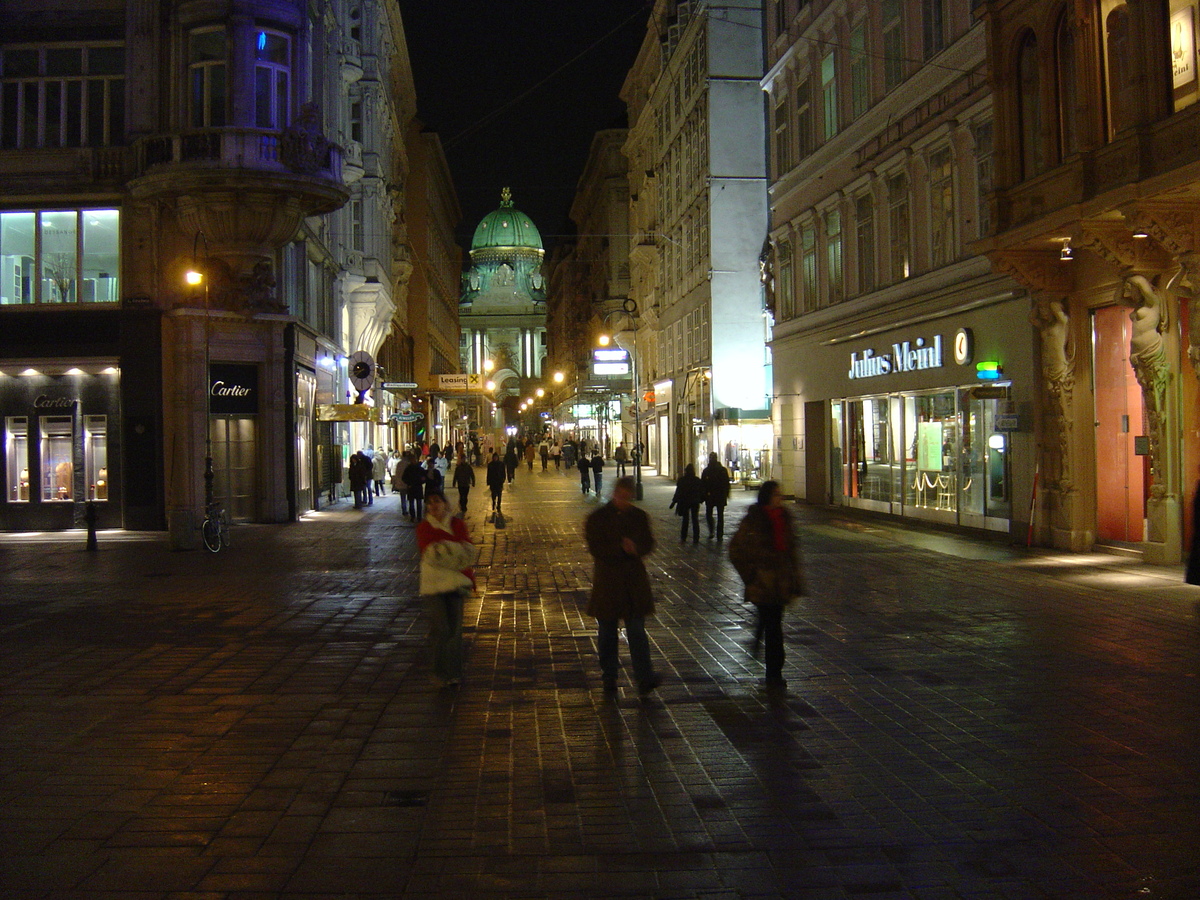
(407, 417)
(399, 385)
(345, 412)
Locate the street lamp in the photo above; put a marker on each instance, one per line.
(196, 277)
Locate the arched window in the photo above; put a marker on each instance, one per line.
(1029, 107)
(1068, 87)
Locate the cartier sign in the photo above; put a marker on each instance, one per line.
(233, 389)
(44, 402)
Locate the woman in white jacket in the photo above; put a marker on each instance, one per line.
(447, 555)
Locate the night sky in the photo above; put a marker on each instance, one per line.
(488, 81)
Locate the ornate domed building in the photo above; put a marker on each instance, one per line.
(502, 309)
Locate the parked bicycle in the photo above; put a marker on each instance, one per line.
(215, 528)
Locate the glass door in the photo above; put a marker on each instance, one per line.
(869, 436)
(984, 477)
(235, 472)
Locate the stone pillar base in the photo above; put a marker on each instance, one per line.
(1074, 540)
(1164, 540)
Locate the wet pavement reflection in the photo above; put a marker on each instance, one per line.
(963, 719)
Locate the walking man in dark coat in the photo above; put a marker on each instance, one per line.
(715, 479)
(618, 536)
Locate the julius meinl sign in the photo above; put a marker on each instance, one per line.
(906, 356)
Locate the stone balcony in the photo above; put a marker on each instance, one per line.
(246, 189)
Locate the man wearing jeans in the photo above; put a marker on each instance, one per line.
(618, 536)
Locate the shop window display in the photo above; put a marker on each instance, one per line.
(95, 456)
(954, 461)
(58, 470)
(932, 425)
(16, 445)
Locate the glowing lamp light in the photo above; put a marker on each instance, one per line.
(193, 277)
(989, 370)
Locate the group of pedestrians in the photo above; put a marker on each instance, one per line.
(711, 488)
(764, 550)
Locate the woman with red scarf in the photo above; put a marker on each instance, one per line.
(447, 555)
(765, 552)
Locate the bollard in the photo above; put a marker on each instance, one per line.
(89, 516)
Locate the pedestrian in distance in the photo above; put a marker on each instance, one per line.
(585, 474)
(686, 502)
(556, 455)
(568, 454)
(544, 453)
(464, 480)
(766, 554)
(618, 537)
(715, 479)
(620, 457)
(530, 452)
(395, 469)
(497, 475)
(446, 578)
(360, 475)
(379, 471)
(434, 480)
(512, 459)
(597, 470)
(414, 479)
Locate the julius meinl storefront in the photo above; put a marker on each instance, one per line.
(909, 428)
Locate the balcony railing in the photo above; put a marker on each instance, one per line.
(243, 148)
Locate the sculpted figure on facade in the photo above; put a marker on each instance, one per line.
(766, 274)
(1148, 356)
(1049, 316)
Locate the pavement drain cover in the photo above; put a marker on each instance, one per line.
(405, 798)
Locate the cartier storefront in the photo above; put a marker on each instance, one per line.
(61, 444)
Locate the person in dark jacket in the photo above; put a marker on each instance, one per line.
(618, 536)
(765, 552)
(464, 480)
(686, 502)
(414, 481)
(585, 473)
(497, 475)
(715, 479)
(512, 459)
(597, 470)
(360, 478)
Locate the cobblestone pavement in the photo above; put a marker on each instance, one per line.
(963, 720)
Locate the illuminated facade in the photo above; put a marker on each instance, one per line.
(698, 219)
(882, 142)
(502, 313)
(137, 143)
(1095, 210)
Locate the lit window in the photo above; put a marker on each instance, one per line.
(58, 467)
(272, 80)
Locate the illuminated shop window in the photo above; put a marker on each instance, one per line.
(60, 256)
(58, 470)
(16, 447)
(95, 456)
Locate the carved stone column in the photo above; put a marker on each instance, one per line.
(1065, 521)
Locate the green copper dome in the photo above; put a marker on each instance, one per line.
(506, 227)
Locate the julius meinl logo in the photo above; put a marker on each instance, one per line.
(906, 356)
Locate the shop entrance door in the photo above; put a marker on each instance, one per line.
(985, 495)
(1121, 480)
(235, 470)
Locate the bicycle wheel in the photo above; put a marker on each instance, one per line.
(210, 531)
